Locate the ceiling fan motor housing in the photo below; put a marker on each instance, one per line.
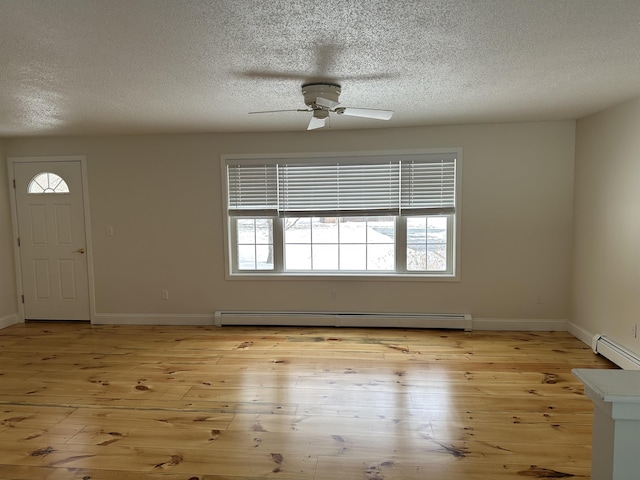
(326, 92)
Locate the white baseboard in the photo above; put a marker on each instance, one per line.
(520, 324)
(580, 333)
(151, 319)
(9, 320)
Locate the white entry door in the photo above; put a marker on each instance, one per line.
(52, 245)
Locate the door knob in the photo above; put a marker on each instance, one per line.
(80, 250)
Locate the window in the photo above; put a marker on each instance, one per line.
(372, 215)
(46, 183)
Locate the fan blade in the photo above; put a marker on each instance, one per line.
(316, 123)
(366, 113)
(325, 102)
(278, 111)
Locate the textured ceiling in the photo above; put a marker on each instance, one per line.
(146, 66)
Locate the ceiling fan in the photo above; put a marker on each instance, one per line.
(322, 99)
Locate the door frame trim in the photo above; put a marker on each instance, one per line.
(11, 161)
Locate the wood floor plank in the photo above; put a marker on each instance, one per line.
(12, 415)
(556, 433)
(174, 419)
(433, 466)
(32, 434)
(20, 472)
(136, 404)
(516, 404)
(174, 460)
(95, 474)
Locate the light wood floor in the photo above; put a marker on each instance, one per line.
(206, 403)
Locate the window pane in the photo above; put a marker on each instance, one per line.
(255, 243)
(353, 230)
(381, 257)
(264, 231)
(297, 257)
(416, 258)
(335, 244)
(437, 258)
(264, 257)
(38, 183)
(297, 230)
(246, 231)
(437, 229)
(437, 223)
(246, 257)
(381, 230)
(417, 230)
(353, 257)
(47, 182)
(325, 230)
(54, 182)
(416, 244)
(427, 243)
(325, 257)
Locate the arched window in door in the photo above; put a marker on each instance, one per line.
(46, 183)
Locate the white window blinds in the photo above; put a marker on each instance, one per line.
(339, 189)
(252, 189)
(404, 185)
(428, 187)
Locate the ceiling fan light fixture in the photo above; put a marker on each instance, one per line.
(320, 113)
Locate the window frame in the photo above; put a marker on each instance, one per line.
(401, 272)
(48, 190)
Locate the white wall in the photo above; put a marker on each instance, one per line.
(606, 265)
(162, 196)
(8, 307)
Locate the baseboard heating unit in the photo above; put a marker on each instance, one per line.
(345, 319)
(615, 352)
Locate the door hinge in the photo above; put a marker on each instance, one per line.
(22, 298)
(18, 241)
(14, 183)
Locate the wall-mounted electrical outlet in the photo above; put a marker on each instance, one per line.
(539, 299)
(164, 294)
